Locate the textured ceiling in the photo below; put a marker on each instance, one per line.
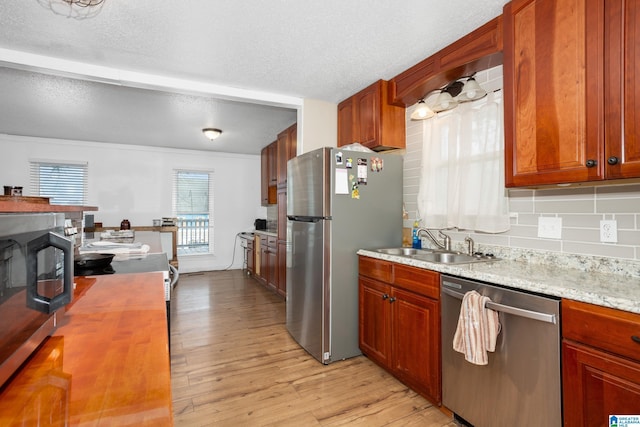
(325, 50)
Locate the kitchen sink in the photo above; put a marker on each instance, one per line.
(404, 251)
(438, 256)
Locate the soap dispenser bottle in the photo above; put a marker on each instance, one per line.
(417, 243)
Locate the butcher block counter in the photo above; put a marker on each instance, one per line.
(107, 364)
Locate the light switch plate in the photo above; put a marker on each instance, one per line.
(550, 227)
(609, 231)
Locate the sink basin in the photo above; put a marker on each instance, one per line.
(404, 251)
(451, 258)
(441, 257)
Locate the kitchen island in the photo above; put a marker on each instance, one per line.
(106, 364)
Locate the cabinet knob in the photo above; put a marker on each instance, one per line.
(635, 338)
(613, 160)
(385, 296)
(591, 163)
(392, 299)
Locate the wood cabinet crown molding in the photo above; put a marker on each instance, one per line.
(477, 51)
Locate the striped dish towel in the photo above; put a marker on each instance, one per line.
(478, 329)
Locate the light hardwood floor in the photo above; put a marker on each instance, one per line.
(233, 363)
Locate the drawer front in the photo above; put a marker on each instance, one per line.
(424, 282)
(606, 328)
(272, 241)
(374, 268)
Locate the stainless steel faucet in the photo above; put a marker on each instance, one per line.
(446, 244)
(469, 241)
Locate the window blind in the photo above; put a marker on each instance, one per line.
(63, 183)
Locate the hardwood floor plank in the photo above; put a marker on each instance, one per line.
(234, 363)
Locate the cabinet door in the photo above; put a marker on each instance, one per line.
(282, 214)
(251, 257)
(416, 342)
(375, 320)
(622, 89)
(264, 176)
(346, 127)
(367, 116)
(553, 91)
(272, 262)
(597, 384)
(282, 268)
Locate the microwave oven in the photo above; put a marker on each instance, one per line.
(36, 282)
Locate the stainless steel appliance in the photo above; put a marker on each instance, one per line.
(337, 202)
(36, 280)
(521, 384)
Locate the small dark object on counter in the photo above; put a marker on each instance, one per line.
(92, 261)
(260, 224)
(125, 225)
(12, 191)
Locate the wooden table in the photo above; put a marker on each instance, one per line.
(107, 364)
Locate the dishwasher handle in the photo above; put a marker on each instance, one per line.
(535, 315)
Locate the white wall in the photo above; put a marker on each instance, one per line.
(135, 182)
(581, 207)
(317, 125)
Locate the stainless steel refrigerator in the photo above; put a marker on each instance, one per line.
(337, 202)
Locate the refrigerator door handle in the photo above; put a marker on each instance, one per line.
(305, 218)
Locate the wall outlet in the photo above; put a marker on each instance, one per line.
(609, 231)
(550, 227)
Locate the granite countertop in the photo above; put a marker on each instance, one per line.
(620, 291)
(272, 233)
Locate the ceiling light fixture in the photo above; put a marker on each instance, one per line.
(77, 9)
(471, 91)
(464, 89)
(211, 133)
(422, 111)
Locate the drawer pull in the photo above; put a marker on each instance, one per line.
(392, 299)
(635, 338)
(385, 296)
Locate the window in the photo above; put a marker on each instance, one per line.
(462, 179)
(193, 206)
(63, 183)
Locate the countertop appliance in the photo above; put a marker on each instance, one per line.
(338, 201)
(521, 384)
(36, 282)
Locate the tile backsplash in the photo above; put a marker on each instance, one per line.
(581, 208)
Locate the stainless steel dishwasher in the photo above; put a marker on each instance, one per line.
(521, 384)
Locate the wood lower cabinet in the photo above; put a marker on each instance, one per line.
(268, 274)
(601, 363)
(281, 260)
(399, 323)
(571, 91)
(368, 118)
(251, 257)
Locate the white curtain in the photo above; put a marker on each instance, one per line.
(462, 179)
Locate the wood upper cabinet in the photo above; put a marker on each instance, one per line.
(268, 178)
(399, 322)
(570, 92)
(368, 118)
(286, 150)
(600, 363)
(622, 88)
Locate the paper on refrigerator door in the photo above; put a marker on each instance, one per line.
(342, 181)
